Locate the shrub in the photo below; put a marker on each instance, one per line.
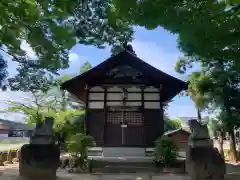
(165, 151)
(78, 146)
(227, 154)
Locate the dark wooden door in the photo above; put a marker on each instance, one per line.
(113, 130)
(134, 133)
(124, 129)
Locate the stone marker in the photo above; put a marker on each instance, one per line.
(203, 161)
(40, 159)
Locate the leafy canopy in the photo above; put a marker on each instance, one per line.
(175, 123)
(208, 33)
(52, 28)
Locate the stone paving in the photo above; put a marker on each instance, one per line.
(10, 172)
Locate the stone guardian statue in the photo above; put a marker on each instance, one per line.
(203, 161)
(41, 158)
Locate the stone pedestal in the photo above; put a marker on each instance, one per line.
(203, 161)
(41, 158)
(205, 164)
(39, 161)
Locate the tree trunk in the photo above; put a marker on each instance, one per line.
(199, 116)
(233, 151)
(221, 137)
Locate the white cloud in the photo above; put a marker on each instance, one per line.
(28, 49)
(156, 56)
(75, 62)
(12, 65)
(17, 96)
(73, 57)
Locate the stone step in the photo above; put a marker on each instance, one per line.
(132, 169)
(123, 166)
(123, 152)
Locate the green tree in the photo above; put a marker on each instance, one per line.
(219, 81)
(78, 146)
(175, 123)
(31, 79)
(165, 151)
(38, 106)
(200, 100)
(85, 67)
(201, 22)
(53, 28)
(208, 34)
(217, 130)
(3, 72)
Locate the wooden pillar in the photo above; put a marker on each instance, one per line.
(143, 114)
(105, 114)
(161, 109)
(161, 104)
(86, 89)
(142, 99)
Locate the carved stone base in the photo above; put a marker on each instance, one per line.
(30, 172)
(205, 163)
(41, 139)
(39, 161)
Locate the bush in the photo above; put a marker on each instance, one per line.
(165, 151)
(227, 154)
(78, 146)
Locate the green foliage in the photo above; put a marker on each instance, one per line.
(44, 105)
(182, 65)
(197, 23)
(77, 146)
(116, 49)
(165, 151)
(175, 123)
(11, 149)
(71, 126)
(3, 72)
(41, 26)
(31, 79)
(194, 92)
(215, 125)
(51, 29)
(85, 67)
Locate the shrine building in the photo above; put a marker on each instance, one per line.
(123, 98)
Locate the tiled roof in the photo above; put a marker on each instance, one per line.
(186, 118)
(15, 125)
(175, 131)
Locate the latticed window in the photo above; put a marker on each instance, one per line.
(114, 117)
(135, 118)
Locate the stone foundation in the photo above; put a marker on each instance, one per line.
(39, 161)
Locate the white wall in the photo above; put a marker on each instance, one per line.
(153, 94)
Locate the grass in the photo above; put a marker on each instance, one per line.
(227, 154)
(11, 142)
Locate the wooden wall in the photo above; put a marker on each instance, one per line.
(146, 100)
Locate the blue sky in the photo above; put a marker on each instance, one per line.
(156, 47)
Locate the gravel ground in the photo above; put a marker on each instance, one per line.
(10, 172)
